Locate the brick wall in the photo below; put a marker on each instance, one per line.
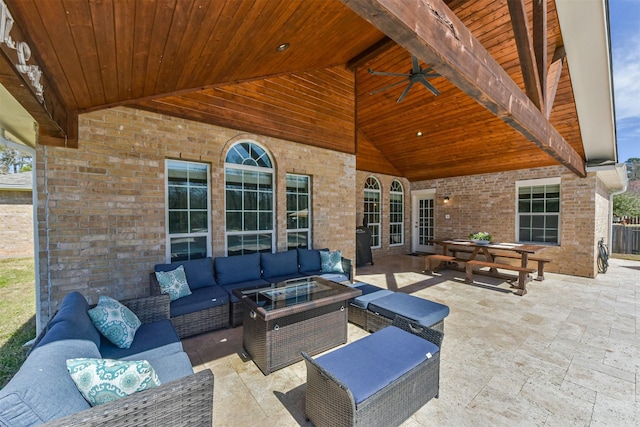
(101, 207)
(488, 203)
(16, 224)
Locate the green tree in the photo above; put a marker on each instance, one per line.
(625, 205)
(633, 168)
(13, 161)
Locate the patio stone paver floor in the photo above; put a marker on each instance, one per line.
(565, 354)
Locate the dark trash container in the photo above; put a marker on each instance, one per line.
(363, 246)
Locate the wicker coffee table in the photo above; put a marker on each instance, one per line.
(284, 319)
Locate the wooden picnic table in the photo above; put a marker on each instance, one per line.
(490, 252)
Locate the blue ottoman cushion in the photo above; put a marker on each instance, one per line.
(373, 362)
(423, 311)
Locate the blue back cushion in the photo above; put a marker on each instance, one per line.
(369, 364)
(279, 264)
(199, 272)
(309, 260)
(240, 268)
(71, 322)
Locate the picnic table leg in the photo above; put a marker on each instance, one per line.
(468, 269)
(540, 276)
(523, 276)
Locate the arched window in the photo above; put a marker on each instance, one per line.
(372, 209)
(396, 213)
(249, 207)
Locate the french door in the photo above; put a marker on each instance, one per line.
(423, 214)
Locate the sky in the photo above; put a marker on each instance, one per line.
(624, 21)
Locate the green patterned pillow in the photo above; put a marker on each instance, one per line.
(104, 380)
(174, 283)
(331, 261)
(115, 321)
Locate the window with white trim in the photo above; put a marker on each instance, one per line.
(249, 196)
(372, 209)
(538, 218)
(396, 213)
(298, 211)
(188, 215)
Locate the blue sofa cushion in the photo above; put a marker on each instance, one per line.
(278, 279)
(369, 293)
(248, 284)
(199, 272)
(42, 390)
(240, 268)
(200, 299)
(423, 311)
(375, 361)
(309, 260)
(149, 336)
(169, 366)
(336, 277)
(71, 322)
(279, 264)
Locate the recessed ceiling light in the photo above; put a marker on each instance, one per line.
(282, 47)
(418, 133)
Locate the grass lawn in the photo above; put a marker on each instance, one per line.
(17, 313)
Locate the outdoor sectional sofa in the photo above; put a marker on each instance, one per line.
(43, 392)
(212, 304)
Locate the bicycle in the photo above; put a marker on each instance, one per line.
(603, 256)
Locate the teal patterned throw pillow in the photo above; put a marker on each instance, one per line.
(115, 321)
(174, 283)
(104, 380)
(331, 261)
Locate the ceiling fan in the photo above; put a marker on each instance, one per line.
(417, 74)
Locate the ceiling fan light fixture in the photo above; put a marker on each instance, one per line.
(419, 133)
(282, 47)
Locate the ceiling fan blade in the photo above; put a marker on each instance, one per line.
(429, 86)
(416, 65)
(430, 73)
(406, 91)
(386, 73)
(387, 87)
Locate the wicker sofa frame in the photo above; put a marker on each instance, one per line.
(329, 402)
(198, 321)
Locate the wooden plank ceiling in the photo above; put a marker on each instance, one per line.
(217, 62)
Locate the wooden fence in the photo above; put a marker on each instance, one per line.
(625, 239)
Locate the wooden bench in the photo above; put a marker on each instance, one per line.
(541, 262)
(432, 262)
(523, 272)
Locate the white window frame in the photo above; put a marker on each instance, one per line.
(292, 213)
(375, 227)
(169, 236)
(537, 183)
(400, 223)
(246, 167)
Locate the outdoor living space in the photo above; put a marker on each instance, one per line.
(567, 354)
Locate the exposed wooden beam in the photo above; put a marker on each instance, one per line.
(22, 76)
(553, 78)
(370, 53)
(540, 45)
(526, 53)
(432, 32)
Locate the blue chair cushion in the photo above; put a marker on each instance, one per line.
(249, 284)
(369, 293)
(309, 260)
(375, 361)
(279, 264)
(199, 272)
(149, 336)
(240, 268)
(200, 299)
(71, 322)
(423, 311)
(336, 277)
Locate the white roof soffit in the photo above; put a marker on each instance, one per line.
(585, 32)
(16, 124)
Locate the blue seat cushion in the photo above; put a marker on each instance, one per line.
(249, 284)
(200, 299)
(279, 264)
(71, 322)
(240, 268)
(149, 336)
(375, 361)
(336, 277)
(199, 272)
(278, 279)
(423, 311)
